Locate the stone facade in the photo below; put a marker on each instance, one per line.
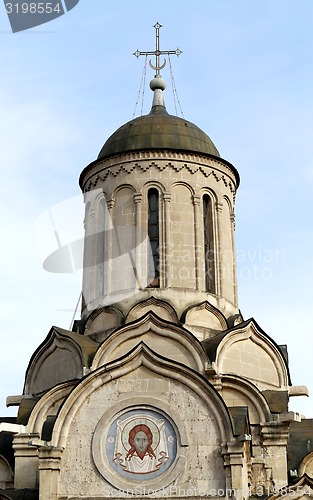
(162, 388)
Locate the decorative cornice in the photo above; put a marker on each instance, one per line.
(178, 161)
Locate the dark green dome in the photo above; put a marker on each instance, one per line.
(158, 130)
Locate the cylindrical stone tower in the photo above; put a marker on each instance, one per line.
(159, 218)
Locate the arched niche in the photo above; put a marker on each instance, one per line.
(182, 230)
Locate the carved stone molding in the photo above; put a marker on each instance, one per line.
(127, 164)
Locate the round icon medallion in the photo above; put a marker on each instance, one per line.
(141, 445)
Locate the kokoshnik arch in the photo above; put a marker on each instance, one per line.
(162, 387)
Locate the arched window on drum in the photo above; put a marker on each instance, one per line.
(154, 237)
(209, 250)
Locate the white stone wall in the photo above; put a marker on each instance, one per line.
(181, 180)
(200, 454)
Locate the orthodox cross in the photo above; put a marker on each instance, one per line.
(157, 52)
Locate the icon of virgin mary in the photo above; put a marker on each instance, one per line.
(140, 445)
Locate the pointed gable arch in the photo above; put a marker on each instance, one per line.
(161, 308)
(141, 381)
(306, 466)
(248, 352)
(103, 320)
(62, 356)
(204, 320)
(140, 356)
(167, 339)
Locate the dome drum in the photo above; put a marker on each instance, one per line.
(117, 191)
(159, 202)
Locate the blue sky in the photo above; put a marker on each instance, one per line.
(245, 77)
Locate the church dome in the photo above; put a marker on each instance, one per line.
(158, 130)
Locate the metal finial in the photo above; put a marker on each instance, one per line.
(157, 52)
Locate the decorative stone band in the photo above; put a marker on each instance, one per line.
(161, 160)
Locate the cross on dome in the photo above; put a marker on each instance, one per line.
(157, 52)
